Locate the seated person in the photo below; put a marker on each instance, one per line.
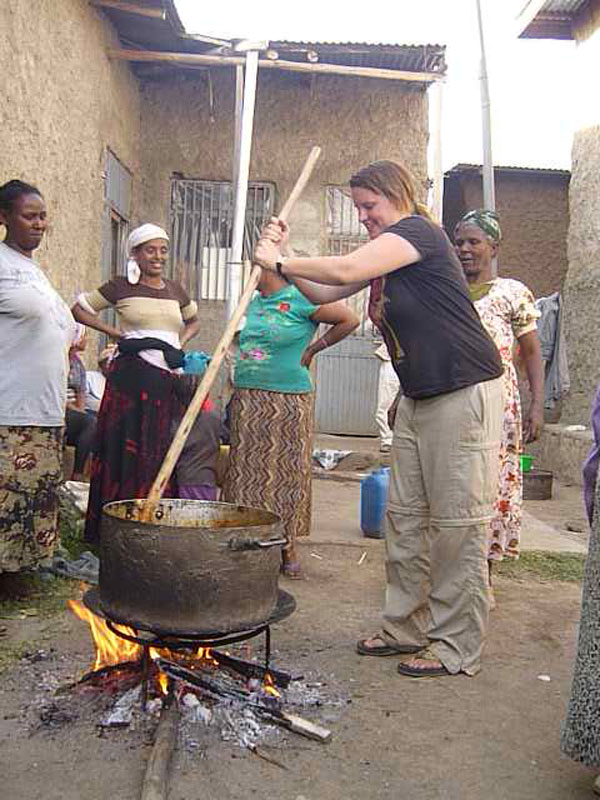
(80, 427)
(96, 381)
(196, 469)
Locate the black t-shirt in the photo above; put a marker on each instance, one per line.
(432, 329)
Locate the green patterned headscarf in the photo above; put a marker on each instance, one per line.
(486, 221)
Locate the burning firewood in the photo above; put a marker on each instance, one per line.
(251, 670)
(214, 688)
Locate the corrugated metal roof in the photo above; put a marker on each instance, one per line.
(553, 19)
(568, 7)
(409, 57)
(457, 168)
(168, 35)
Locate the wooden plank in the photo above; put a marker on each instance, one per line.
(300, 725)
(156, 777)
(131, 8)
(195, 59)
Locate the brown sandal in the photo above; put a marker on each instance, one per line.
(424, 672)
(385, 649)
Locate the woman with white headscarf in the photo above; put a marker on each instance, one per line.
(144, 392)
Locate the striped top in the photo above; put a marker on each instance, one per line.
(143, 307)
(145, 311)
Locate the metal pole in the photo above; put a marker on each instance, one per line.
(241, 187)
(435, 99)
(489, 198)
(239, 107)
(489, 192)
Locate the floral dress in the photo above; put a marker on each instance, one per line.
(508, 312)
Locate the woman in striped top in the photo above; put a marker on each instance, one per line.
(143, 392)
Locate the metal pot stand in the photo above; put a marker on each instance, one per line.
(147, 638)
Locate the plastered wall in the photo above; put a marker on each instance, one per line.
(582, 284)
(355, 121)
(63, 103)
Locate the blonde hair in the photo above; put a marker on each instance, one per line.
(394, 182)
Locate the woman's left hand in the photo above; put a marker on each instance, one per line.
(266, 254)
(533, 424)
(307, 356)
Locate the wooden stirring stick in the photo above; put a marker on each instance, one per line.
(147, 507)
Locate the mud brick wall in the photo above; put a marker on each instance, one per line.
(582, 284)
(534, 215)
(63, 104)
(355, 121)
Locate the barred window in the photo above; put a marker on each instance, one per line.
(344, 234)
(201, 232)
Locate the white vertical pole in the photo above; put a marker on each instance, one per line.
(241, 181)
(435, 116)
(489, 192)
(239, 106)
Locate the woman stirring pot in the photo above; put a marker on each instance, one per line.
(444, 458)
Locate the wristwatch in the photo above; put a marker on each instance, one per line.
(279, 270)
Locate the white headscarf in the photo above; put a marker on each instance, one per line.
(138, 236)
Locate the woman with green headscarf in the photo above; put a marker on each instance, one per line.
(506, 308)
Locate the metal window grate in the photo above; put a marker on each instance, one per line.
(118, 186)
(201, 226)
(344, 234)
(116, 213)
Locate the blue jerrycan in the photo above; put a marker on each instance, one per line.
(373, 499)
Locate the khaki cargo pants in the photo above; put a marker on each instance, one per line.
(444, 479)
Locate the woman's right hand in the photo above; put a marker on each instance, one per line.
(278, 232)
(266, 254)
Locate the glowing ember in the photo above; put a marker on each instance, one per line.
(204, 654)
(163, 681)
(268, 686)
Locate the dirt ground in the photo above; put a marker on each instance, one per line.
(494, 736)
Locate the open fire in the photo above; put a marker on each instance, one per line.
(111, 650)
(201, 683)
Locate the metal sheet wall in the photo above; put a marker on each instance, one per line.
(347, 377)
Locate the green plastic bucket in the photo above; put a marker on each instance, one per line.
(526, 462)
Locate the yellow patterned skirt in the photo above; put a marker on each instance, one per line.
(30, 474)
(270, 456)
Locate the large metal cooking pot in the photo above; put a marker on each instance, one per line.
(199, 567)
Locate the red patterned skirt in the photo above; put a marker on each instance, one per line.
(133, 434)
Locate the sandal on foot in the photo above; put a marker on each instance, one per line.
(432, 671)
(291, 570)
(385, 649)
